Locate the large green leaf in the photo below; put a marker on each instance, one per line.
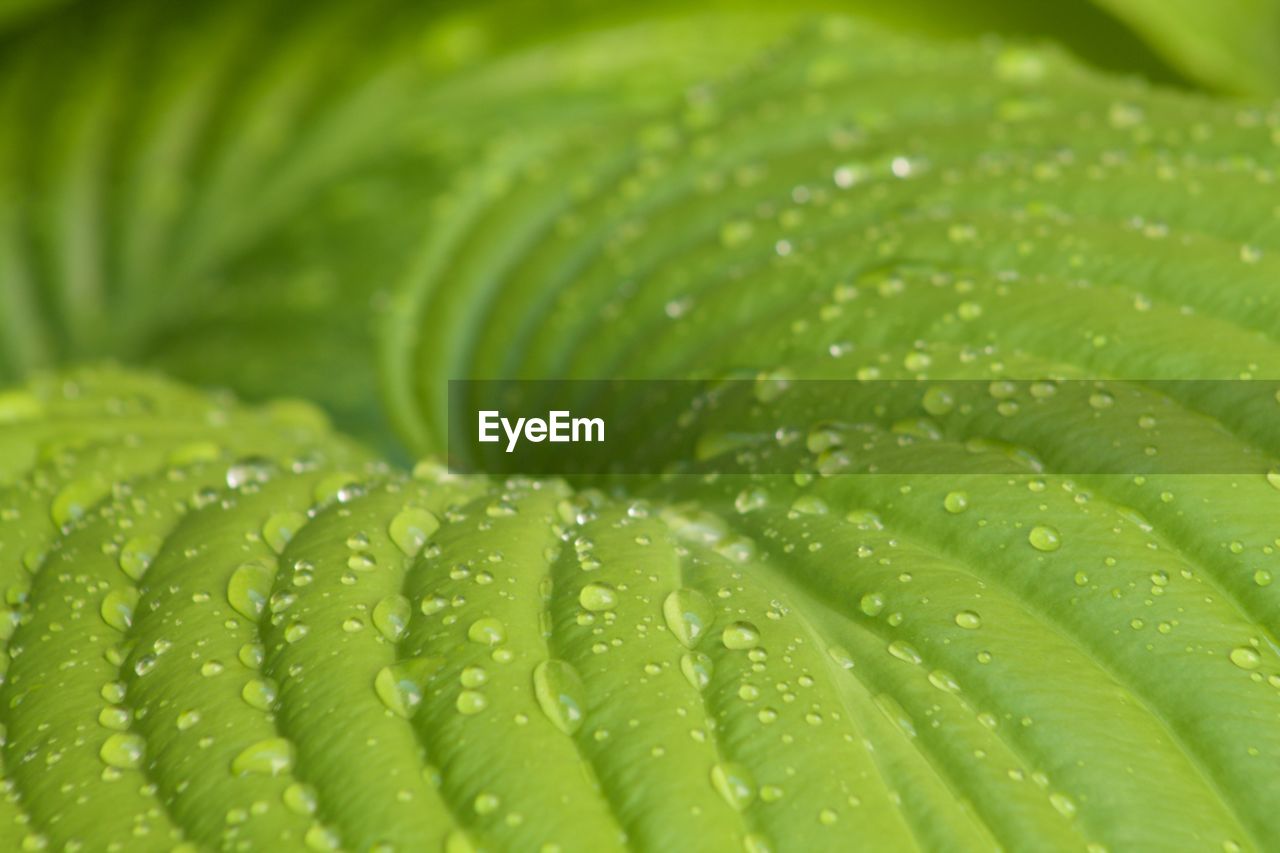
(236, 628)
(204, 188)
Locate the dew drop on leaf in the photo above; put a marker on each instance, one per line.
(123, 750)
(249, 587)
(1246, 657)
(269, 757)
(259, 693)
(1044, 538)
(391, 617)
(734, 783)
(560, 693)
(697, 669)
(471, 702)
(598, 597)
(137, 554)
(487, 631)
(279, 528)
(117, 608)
(956, 502)
(740, 636)
(688, 615)
(411, 528)
(401, 686)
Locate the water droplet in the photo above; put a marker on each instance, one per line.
(487, 632)
(137, 554)
(560, 694)
(905, 652)
(249, 471)
(735, 784)
(697, 669)
(260, 693)
(321, 838)
(598, 597)
(486, 803)
(251, 655)
(471, 702)
(688, 615)
(279, 529)
(1246, 657)
(269, 757)
(300, 798)
(740, 636)
(872, 604)
(115, 717)
(123, 750)
(969, 619)
(187, 719)
(411, 528)
(473, 676)
(1044, 538)
(401, 685)
(391, 617)
(938, 401)
(956, 502)
(117, 608)
(249, 587)
(74, 501)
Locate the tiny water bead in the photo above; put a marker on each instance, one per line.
(487, 631)
(123, 750)
(1246, 657)
(956, 502)
(269, 757)
(598, 597)
(969, 620)
(735, 784)
(470, 702)
(697, 669)
(391, 617)
(560, 693)
(401, 686)
(249, 588)
(1044, 538)
(117, 608)
(688, 615)
(137, 554)
(260, 693)
(279, 529)
(872, 604)
(740, 636)
(411, 528)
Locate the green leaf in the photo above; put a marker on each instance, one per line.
(232, 626)
(1233, 46)
(204, 189)
(229, 626)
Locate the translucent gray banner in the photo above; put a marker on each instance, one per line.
(774, 425)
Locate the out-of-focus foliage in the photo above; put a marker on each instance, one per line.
(1233, 45)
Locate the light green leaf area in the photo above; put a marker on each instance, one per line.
(1077, 660)
(228, 626)
(1232, 46)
